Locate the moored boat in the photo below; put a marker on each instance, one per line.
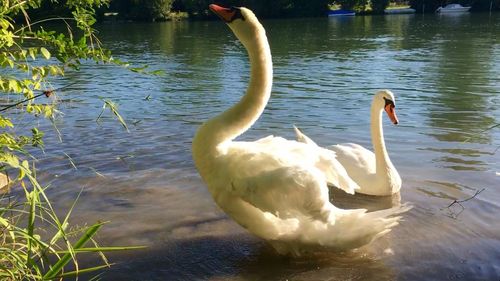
(400, 11)
(338, 13)
(453, 8)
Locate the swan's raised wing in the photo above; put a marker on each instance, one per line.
(271, 153)
(354, 158)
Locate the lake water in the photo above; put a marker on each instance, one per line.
(444, 71)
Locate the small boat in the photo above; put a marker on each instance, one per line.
(453, 8)
(400, 11)
(338, 13)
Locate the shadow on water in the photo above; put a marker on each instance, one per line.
(360, 201)
(240, 258)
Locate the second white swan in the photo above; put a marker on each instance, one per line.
(373, 172)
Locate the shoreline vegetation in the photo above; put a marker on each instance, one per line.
(38, 242)
(174, 10)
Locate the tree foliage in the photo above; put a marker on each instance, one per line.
(30, 55)
(356, 5)
(378, 6)
(145, 10)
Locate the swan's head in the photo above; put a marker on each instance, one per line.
(385, 99)
(242, 22)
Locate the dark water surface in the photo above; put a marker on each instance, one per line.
(444, 71)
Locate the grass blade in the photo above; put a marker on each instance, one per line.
(61, 263)
(85, 270)
(104, 249)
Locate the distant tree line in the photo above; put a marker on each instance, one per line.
(263, 8)
(153, 10)
(160, 9)
(198, 9)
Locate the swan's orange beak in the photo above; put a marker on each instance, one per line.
(225, 14)
(389, 109)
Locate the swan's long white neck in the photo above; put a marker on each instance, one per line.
(240, 117)
(384, 164)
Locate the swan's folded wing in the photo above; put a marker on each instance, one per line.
(289, 190)
(356, 159)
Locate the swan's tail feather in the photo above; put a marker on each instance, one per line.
(263, 224)
(303, 138)
(345, 230)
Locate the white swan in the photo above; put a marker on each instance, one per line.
(275, 188)
(374, 173)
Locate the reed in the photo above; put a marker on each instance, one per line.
(37, 244)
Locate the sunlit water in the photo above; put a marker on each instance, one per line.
(443, 70)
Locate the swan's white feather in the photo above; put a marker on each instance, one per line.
(357, 160)
(271, 153)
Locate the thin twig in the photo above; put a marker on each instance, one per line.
(482, 131)
(47, 93)
(41, 21)
(467, 199)
(452, 214)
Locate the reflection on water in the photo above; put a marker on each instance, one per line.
(444, 72)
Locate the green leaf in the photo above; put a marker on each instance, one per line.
(37, 140)
(5, 122)
(14, 86)
(5, 24)
(45, 53)
(32, 53)
(158, 72)
(114, 109)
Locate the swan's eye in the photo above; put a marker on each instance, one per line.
(389, 102)
(236, 13)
